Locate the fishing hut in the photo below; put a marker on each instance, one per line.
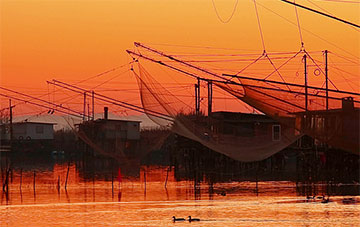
(28, 136)
(245, 124)
(337, 128)
(110, 136)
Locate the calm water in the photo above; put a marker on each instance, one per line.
(93, 199)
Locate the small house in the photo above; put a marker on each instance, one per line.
(28, 131)
(119, 137)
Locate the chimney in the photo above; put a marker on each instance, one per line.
(348, 104)
(106, 110)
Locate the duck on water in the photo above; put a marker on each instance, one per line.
(177, 219)
(193, 219)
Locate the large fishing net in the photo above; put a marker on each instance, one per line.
(243, 137)
(288, 110)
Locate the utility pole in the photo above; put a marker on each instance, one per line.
(93, 105)
(88, 110)
(197, 97)
(306, 85)
(210, 96)
(11, 123)
(84, 106)
(326, 80)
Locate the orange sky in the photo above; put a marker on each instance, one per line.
(73, 40)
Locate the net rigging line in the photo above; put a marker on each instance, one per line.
(103, 73)
(322, 13)
(41, 105)
(328, 12)
(243, 69)
(39, 100)
(117, 75)
(259, 25)
(276, 69)
(139, 45)
(283, 64)
(319, 68)
(218, 15)
(342, 1)
(319, 37)
(107, 99)
(154, 95)
(298, 22)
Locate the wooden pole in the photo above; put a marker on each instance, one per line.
(112, 183)
(167, 176)
(20, 178)
(88, 110)
(34, 182)
(84, 110)
(11, 123)
(58, 184)
(326, 80)
(67, 175)
(196, 102)
(198, 82)
(93, 105)
(145, 180)
(210, 94)
(306, 84)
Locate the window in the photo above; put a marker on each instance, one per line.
(276, 132)
(39, 129)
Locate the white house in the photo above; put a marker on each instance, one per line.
(29, 131)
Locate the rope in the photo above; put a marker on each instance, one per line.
(103, 73)
(277, 71)
(319, 68)
(283, 64)
(328, 12)
(298, 22)
(111, 78)
(324, 14)
(218, 15)
(258, 20)
(249, 65)
(342, 1)
(319, 37)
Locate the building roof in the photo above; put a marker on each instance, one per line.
(241, 117)
(29, 122)
(114, 120)
(324, 112)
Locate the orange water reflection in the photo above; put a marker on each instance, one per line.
(96, 200)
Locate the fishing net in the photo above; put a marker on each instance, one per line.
(338, 126)
(290, 110)
(243, 137)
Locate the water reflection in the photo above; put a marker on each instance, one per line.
(96, 191)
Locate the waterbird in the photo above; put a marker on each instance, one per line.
(177, 219)
(193, 219)
(325, 200)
